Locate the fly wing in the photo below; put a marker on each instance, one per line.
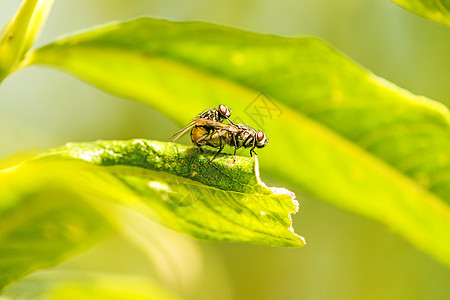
(182, 132)
(209, 123)
(218, 126)
(204, 122)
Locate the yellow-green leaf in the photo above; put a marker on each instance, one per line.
(96, 286)
(43, 220)
(436, 10)
(20, 32)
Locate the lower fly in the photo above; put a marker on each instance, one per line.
(215, 134)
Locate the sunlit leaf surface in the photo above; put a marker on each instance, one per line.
(337, 132)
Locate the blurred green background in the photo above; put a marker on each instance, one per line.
(347, 256)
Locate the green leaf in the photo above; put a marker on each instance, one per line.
(37, 21)
(344, 135)
(42, 221)
(436, 10)
(73, 285)
(60, 203)
(20, 32)
(177, 186)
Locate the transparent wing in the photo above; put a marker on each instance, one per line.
(182, 132)
(210, 123)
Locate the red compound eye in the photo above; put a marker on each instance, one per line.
(260, 136)
(223, 109)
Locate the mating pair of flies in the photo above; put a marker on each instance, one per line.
(209, 129)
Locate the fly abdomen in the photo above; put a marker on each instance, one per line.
(199, 135)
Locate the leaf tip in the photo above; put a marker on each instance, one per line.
(279, 191)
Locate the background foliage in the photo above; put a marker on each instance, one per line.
(355, 240)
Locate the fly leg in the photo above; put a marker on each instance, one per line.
(201, 138)
(252, 151)
(249, 142)
(235, 148)
(232, 123)
(220, 149)
(197, 142)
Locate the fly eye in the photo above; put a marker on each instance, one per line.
(224, 110)
(260, 136)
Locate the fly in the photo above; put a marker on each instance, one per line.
(215, 134)
(212, 114)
